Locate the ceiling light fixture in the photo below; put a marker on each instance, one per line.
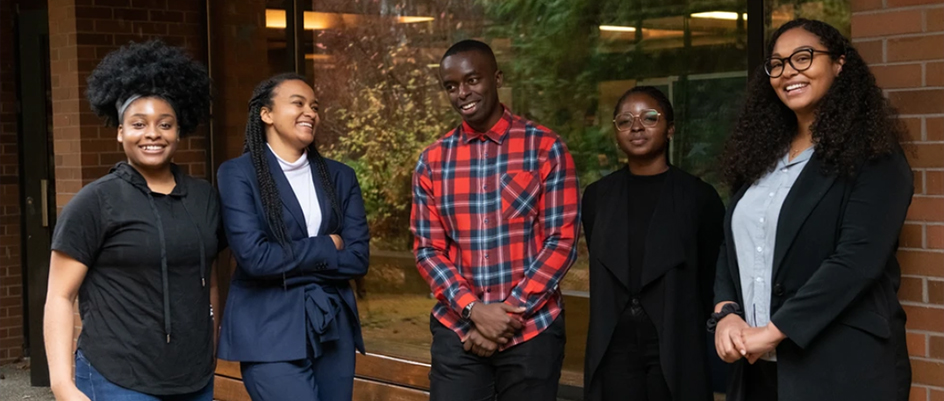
(722, 15)
(617, 28)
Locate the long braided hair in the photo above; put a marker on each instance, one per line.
(255, 145)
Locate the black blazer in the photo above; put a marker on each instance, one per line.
(681, 250)
(835, 286)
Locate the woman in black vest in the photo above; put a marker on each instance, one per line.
(806, 304)
(653, 232)
(137, 245)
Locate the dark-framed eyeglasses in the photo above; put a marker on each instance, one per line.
(800, 60)
(648, 118)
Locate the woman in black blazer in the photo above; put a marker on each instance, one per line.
(806, 303)
(653, 232)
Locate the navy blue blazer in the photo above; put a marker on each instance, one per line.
(264, 320)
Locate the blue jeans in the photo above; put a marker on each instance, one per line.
(97, 388)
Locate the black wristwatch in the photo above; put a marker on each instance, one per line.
(467, 311)
(727, 309)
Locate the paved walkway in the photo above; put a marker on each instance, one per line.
(15, 385)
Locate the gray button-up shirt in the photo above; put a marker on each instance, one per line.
(754, 226)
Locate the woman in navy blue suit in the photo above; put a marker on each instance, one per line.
(296, 225)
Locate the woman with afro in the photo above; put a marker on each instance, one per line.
(137, 245)
(297, 227)
(805, 292)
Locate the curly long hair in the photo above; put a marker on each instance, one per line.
(854, 123)
(151, 69)
(255, 145)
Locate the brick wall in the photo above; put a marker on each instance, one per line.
(11, 282)
(903, 42)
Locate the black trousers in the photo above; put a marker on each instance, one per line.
(528, 371)
(760, 381)
(631, 369)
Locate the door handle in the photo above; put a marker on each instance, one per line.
(44, 200)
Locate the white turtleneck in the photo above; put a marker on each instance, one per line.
(300, 178)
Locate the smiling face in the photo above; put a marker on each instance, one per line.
(638, 140)
(471, 80)
(149, 133)
(801, 91)
(292, 119)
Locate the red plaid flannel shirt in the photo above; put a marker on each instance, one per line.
(496, 218)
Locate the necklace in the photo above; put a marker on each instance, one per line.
(795, 152)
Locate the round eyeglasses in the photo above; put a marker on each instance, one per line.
(625, 121)
(800, 60)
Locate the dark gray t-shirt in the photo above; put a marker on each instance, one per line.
(112, 227)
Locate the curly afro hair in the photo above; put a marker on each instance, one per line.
(151, 69)
(854, 123)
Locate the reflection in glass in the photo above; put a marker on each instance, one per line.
(374, 65)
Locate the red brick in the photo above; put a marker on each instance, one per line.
(85, 25)
(934, 19)
(113, 26)
(918, 182)
(916, 344)
(934, 182)
(926, 208)
(925, 318)
(918, 393)
(934, 74)
(935, 292)
(194, 18)
(167, 16)
(936, 347)
(929, 47)
(912, 289)
(935, 237)
(110, 158)
(912, 236)
(113, 3)
(922, 101)
(871, 51)
(865, 5)
(926, 155)
(892, 22)
(927, 372)
(922, 263)
(912, 128)
(903, 3)
(153, 4)
(93, 12)
(131, 14)
(936, 395)
(150, 28)
(897, 76)
(95, 39)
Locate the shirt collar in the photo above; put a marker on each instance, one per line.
(497, 133)
(802, 157)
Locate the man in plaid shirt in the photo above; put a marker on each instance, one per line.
(495, 216)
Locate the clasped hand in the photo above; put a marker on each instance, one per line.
(734, 339)
(492, 325)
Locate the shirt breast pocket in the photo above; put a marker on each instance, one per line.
(520, 193)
